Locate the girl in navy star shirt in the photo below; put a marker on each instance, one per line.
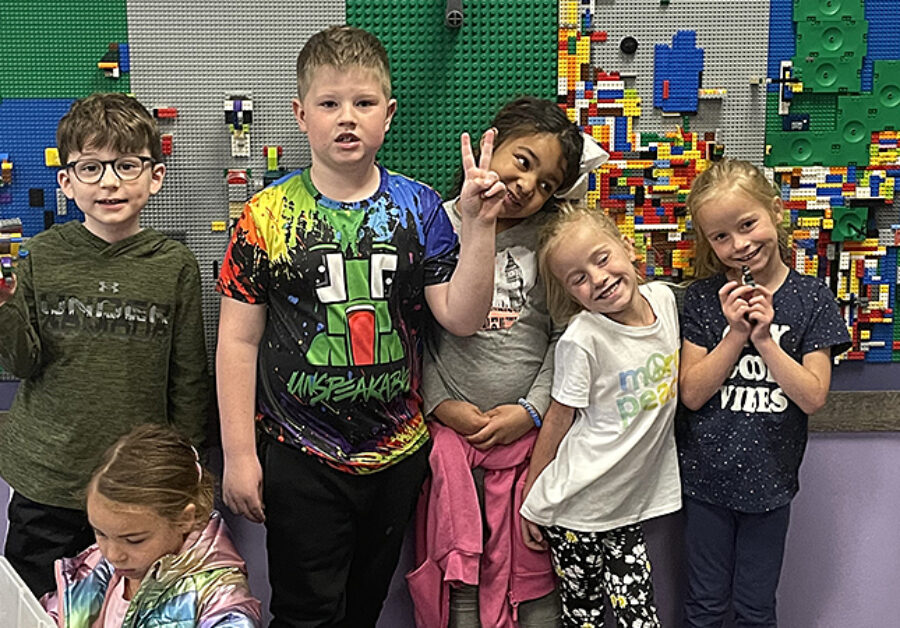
(756, 361)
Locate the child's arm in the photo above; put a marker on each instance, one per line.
(703, 372)
(461, 304)
(557, 422)
(20, 344)
(228, 603)
(188, 369)
(806, 383)
(461, 416)
(241, 327)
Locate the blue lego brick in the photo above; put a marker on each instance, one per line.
(609, 94)
(883, 35)
(881, 332)
(795, 122)
(124, 58)
(833, 178)
(851, 174)
(29, 126)
(828, 192)
(622, 134)
(680, 64)
(782, 44)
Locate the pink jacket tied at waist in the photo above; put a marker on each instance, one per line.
(449, 545)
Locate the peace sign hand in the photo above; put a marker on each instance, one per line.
(482, 191)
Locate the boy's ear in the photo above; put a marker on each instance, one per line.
(157, 174)
(299, 113)
(391, 110)
(65, 183)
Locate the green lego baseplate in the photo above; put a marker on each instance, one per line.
(830, 9)
(51, 49)
(449, 80)
(832, 38)
(840, 126)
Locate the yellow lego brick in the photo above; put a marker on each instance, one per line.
(51, 157)
(218, 225)
(865, 334)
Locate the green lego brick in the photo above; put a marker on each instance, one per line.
(832, 38)
(849, 223)
(829, 74)
(866, 111)
(447, 81)
(811, 148)
(56, 47)
(828, 9)
(886, 92)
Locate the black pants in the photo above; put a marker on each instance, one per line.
(333, 538)
(38, 535)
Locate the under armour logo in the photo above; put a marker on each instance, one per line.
(109, 286)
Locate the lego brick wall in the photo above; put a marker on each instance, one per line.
(803, 86)
(450, 80)
(667, 86)
(186, 56)
(191, 56)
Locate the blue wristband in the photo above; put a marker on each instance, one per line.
(531, 411)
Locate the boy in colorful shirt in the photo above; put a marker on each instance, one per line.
(330, 274)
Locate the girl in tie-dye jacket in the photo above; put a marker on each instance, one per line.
(163, 558)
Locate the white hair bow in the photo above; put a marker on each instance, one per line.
(592, 157)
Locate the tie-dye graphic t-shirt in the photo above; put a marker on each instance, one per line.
(340, 359)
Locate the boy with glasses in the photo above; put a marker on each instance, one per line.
(103, 325)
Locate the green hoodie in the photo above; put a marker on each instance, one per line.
(104, 337)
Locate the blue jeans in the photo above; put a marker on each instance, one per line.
(733, 558)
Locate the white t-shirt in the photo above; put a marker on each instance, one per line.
(617, 465)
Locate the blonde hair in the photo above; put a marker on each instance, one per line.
(725, 176)
(561, 304)
(155, 467)
(343, 47)
(108, 120)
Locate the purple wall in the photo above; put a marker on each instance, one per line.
(842, 555)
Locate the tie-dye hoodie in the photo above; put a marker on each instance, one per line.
(204, 585)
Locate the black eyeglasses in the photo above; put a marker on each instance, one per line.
(127, 168)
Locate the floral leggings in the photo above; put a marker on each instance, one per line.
(613, 562)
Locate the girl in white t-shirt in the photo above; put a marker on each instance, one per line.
(605, 457)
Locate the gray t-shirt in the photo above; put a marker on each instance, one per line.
(512, 355)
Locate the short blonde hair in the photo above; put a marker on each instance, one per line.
(155, 467)
(560, 303)
(343, 47)
(108, 120)
(730, 175)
